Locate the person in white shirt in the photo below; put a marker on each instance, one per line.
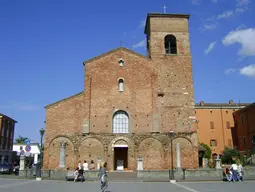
(234, 172)
(85, 166)
(79, 165)
(240, 171)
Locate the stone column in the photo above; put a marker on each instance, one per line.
(218, 161)
(139, 163)
(62, 162)
(99, 159)
(22, 163)
(36, 158)
(178, 156)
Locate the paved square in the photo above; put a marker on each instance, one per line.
(12, 185)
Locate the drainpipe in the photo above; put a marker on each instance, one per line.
(222, 125)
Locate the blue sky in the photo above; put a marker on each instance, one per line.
(43, 45)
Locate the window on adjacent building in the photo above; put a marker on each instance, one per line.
(213, 143)
(120, 122)
(229, 142)
(228, 125)
(211, 125)
(7, 132)
(11, 133)
(170, 44)
(242, 119)
(3, 130)
(121, 85)
(244, 141)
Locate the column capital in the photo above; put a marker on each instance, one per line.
(63, 143)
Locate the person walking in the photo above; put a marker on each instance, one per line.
(103, 176)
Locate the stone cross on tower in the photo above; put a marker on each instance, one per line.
(164, 7)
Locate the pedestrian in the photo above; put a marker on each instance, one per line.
(76, 174)
(103, 176)
(92, 165)
(240, 170)
(85, 166)
(79, 165)
(233, 168)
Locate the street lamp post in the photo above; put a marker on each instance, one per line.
(172, 158)
(41, 155)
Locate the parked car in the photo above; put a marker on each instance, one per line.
(6, 168)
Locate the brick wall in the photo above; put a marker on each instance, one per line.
(157, 96)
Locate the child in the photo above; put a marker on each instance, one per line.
(229, 175)
(76, 174)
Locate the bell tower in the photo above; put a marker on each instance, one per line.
(168, 46)
(167, 34)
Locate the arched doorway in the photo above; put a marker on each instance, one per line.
(120, 161)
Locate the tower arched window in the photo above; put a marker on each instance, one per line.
(120, 122)
(121, 85)
(170, 44)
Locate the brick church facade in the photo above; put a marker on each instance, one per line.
(129, 105)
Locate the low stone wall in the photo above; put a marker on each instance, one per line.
(55, 174)
(192, 174)
(189, 174)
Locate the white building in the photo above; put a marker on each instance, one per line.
(31, 150)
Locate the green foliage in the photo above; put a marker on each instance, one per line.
(228, 155)
(21, 140)
(208, 151)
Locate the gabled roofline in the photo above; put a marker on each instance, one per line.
(5, 116)
(112, 51)
(78, 94)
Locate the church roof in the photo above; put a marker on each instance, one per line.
(63, 100)
(112, 51)
(7, 117)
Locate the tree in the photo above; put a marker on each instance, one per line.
(208, 151)
(21, 139)
(228, 155)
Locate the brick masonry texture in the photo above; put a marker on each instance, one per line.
(158, 97)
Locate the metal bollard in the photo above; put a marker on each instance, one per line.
(183, 170)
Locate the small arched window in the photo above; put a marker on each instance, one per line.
(170, 44)
(120, 122)
(121, 85)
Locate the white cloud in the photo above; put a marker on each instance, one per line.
(225, 14)
(215, 1)
(139, 44)
(228, 71)
(208, 27)
(210, 47)
(240, 10)
(142, 23)
(245, 37)
(248, 71)
(195, 2)
(240, 3)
